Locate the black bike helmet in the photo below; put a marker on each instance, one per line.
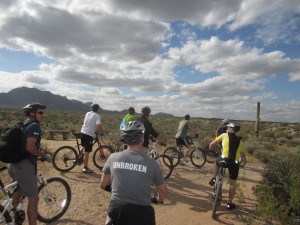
(33, 107)
(131, 110)
(95, 107)
(132, 132)
(146, 110)
(187, 116)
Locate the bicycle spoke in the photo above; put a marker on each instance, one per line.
(54, 199)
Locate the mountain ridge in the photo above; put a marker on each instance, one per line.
(21, 96)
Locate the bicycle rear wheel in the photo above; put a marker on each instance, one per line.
(55, 198)
(212, 155)
(243, 160)
(173, 154)
(198, 157)
(218, 198)
(65, 158)
(101, 154)
(166, 165)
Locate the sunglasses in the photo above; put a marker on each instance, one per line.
(41, 113)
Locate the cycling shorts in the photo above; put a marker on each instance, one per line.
(125, 213)
(25, 173)
(233, 167)
(86, 142)
(181, 142)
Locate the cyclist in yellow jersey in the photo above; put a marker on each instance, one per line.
(128, 117)
(232, 147)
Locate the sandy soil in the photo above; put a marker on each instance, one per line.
(188, 201)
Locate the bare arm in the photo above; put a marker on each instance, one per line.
(213, 144)
(161, 190)
(105, 179)
(99, 128)
(31, 147)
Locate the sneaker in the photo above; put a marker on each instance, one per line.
(212, 181)
(231, 206)
(87, 170)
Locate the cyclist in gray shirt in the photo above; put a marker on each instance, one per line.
(131, 174)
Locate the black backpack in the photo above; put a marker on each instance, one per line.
(11, 142)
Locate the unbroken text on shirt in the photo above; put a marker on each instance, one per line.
(130, 166)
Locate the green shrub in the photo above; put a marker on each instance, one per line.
(279, 193)
(262, 155)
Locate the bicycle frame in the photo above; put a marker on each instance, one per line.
(217, 190)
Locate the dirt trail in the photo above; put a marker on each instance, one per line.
(188, 202)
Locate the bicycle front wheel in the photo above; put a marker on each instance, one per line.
(218, 198)
(198, 157)
(212, 155)
(54, 199)
(65, 158)
(166, 165)
(173, 154)
(4, 218)
(101, 154)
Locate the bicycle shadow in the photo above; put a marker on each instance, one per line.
(69, 221)
(82, 177)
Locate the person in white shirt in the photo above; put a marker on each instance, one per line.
(91, 125)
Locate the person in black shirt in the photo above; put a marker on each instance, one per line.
(149, 130)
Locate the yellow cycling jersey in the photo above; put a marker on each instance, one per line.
(224, 138)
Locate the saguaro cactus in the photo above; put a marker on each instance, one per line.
(257, 119)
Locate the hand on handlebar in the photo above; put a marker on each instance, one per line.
(46, 157)
(154, 199)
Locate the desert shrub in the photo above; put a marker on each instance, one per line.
(269, 146)
(294, 142)
(278, 194)
(282, 140)
(262, 155)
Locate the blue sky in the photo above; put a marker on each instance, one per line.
(206, 58)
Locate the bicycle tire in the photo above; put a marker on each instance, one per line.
(100, 158)
(5, 218)
(211, 156)
(166, 165)
(65, 158)
(198, 157)
(173, 154)
(218, 198)
(60, 191)
(243, 160)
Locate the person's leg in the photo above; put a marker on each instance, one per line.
(232, 190)
(86, 159)
(233, 170)
(188, 151)
(32, 210)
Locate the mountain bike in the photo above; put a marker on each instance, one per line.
(66, 157)
(197, 156)
(54, 200)
(164, 161)
(212, 155)
(217, 189)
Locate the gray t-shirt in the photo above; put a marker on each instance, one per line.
(132, 174)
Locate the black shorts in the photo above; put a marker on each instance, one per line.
(233, 167)
(86, 142)
(125, 214)
(181, 142)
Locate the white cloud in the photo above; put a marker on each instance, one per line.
(118, 52)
